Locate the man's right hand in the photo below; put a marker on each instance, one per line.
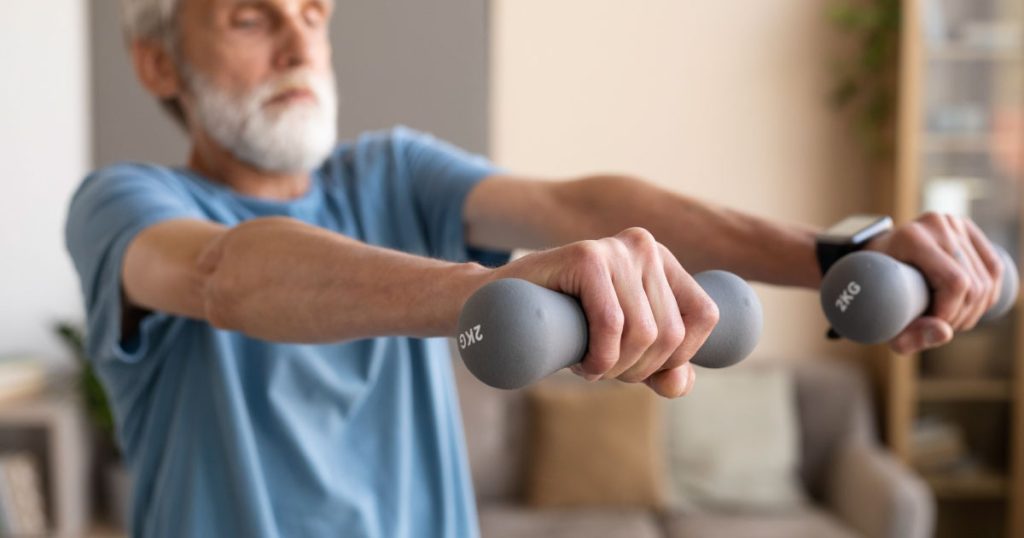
(646, 315)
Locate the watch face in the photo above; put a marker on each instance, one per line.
(856, 228)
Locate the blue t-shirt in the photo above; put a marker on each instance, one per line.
(231, 436)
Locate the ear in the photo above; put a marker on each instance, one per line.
(156, 69)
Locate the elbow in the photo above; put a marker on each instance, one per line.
(220, 305)
(220, 286)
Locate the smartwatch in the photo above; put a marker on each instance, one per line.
(848, 235)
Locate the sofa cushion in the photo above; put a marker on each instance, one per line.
(504, 521)
(594, 445)
(834, 408)
(494, 423)
(803, 523)
(734, 441)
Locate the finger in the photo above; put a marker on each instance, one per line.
(923, 333)
(990, 257)
(932, 255)
(977, 300)
(699, 312)
(669, 322)
(605, 322)
(674, 382)
(640, 329)
(948, 240)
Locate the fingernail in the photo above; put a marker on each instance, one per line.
(591, 377)
(933, 336)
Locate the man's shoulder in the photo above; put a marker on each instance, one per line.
(132, 172)
(130, 180)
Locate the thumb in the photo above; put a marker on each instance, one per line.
(674, 382)
(923, 333)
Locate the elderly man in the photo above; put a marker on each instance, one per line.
(259, 316)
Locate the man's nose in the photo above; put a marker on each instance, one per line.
(296, 45)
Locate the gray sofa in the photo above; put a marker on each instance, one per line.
(857, 487)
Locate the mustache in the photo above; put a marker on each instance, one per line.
(302, 80)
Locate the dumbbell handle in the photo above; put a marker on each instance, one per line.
(870, 298)
(513, 333)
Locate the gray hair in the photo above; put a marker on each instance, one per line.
(149, 19)
(155, 20)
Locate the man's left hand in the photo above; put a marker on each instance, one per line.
(961, 267)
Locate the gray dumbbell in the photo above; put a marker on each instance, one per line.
(513, 333)
(870, 298)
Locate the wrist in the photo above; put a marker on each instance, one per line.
(461, 280)
(853, 233)
(808, 272)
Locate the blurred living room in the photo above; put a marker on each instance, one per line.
(799, 112)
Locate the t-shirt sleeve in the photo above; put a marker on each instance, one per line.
(441, 177)
(109, 209)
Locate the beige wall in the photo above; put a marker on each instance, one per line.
(722, 100)
(44, 147)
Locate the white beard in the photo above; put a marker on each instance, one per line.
(285, 139)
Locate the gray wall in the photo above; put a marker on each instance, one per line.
(423, 64)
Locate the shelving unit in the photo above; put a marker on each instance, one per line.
(945, 390)
(953, 92)
(51, 427)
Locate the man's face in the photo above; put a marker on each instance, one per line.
(258, 78)
(240, 44)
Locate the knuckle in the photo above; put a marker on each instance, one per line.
(912, 233)
(637, 234)
(932, 219)
(673, 333)
(599, 361)
(984, 286)
(958, 282)
(587, 253)
(996, 274)
(610, 319)
(642, 333)
(972, 295)
(707, 313)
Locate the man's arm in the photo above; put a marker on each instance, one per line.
(955, 257)
(508, 212)
(280, 279)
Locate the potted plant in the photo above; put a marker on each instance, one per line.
(113, 476)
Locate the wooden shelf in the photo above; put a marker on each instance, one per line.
(928, 75)
(955, 52)
(980, 485)
(939, 390)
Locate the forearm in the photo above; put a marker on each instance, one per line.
(279, 279)
(701, 235)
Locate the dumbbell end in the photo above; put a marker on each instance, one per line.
(740, 320)
(869, 297)
(512, 333)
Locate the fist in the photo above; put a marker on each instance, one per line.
(646, 315)
(961, 266)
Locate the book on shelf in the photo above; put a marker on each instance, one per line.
(936, 445)
(22, 508)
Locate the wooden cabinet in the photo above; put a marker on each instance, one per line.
(957, 413)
